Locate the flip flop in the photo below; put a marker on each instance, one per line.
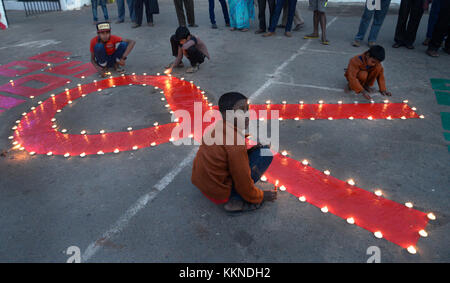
(310, 36)
(325, 42)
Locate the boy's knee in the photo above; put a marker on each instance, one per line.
(122, 45)
(99, 47)
(362, 76)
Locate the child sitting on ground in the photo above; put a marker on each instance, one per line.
(364, 69)
(104, 53)
(226, 173)
(184, 43)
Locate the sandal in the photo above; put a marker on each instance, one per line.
(325, 42)
(310, 36)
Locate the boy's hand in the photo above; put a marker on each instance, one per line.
(121, 62)
(270, 195)
(386, 93)
(366, 95)
(168, 71)
(102, 71)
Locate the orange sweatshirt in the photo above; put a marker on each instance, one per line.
(217, 167)
(359, 64)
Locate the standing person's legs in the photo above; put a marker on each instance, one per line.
(104, 9)
(314, 6)
(180, 12)
(138, 11)
(364, 24)
(432, 18)
(276, 15)
(400, 29)
(378, 20)
(94, 4)
(291, 12)
(120, 11)
(189, 5)
(413, 23)
(212, 16)
(262, 15)
(148, 13)
(323, 20)
(298, 20)
(441, 29)
(272, 5)
(447, 40)
(131, 5)
(226, 16)
(285, 14)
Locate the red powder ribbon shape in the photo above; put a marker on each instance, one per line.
(397, 223)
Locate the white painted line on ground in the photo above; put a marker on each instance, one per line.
(310, 86)
(141, 203)
(278, 70)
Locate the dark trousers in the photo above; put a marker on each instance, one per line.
(262, 12)
(194, 55)
(433, 17)
(258, 165)
(212, 16)
(106, 60)
(101, 3)
(276, 14)
(189, 6)
(121, 10)
(405, 32)
(174, 43)
(139, 10)
(442, 28)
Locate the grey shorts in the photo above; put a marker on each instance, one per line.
(317, 5)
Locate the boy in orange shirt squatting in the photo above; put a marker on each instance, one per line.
(364, 69)
(105, 54)
(226, 172)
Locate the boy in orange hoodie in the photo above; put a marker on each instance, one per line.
(226, 172)
(364, 69)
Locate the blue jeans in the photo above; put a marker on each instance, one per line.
(433, 17)
(121, 10)
(378, 18)
(94, 4)
(258, 165)
(106, 60)
(276, 14)
(212, 16)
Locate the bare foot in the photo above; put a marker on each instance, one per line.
(234, 205)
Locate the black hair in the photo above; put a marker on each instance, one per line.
(228, 100)
(182, 33)
(377, 52)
